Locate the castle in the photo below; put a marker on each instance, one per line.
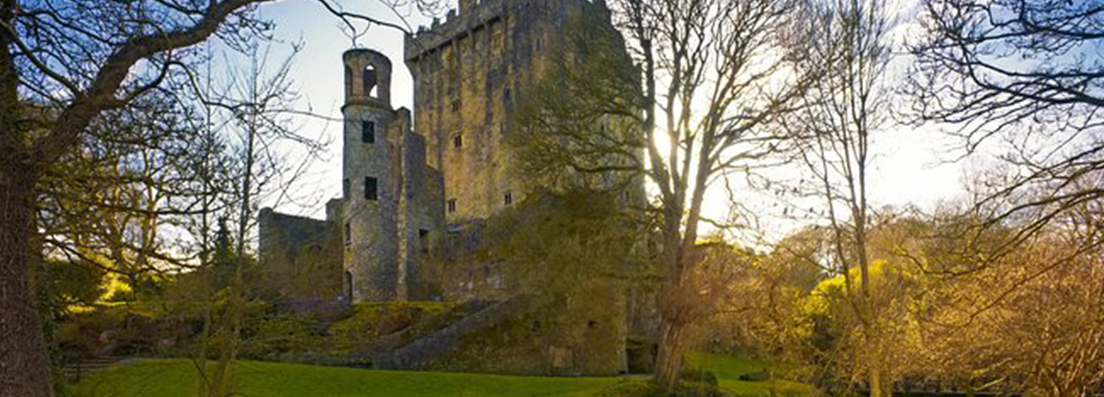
(411, 180)
(417, 185)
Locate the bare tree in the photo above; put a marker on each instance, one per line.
(78, 59)
(108, 202)
(844, 110)
(1030, 321)
(715, 76)
(83, 59)
(1024, 80)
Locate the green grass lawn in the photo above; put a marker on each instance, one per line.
(175, 378)
(729, 368)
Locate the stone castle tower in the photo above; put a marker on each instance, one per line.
(370, 207)
(411, 183)
(469, 72)
(388, 212)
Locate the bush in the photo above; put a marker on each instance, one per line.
(279, 334)
(699, 375)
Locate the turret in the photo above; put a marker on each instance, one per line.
(369, 184)
(367, 77)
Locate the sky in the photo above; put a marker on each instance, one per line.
(911, 166)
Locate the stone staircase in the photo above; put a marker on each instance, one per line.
(77, 370)
(420, 351)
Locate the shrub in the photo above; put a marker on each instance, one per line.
(699, 375)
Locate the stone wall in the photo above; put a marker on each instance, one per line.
(300, 258)
(421, 219)
(468, 72)
(579, 334)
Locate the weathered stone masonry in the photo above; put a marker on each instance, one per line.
(390, 212)
(468, 72)
(409, 182)
(416, 187)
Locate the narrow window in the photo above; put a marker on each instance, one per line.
(508, 198)
(369, 80)
(452, 205)
(368, 131)
(455, 105)
(423, 240)
(349, 286)
(458, 141)
(348, 234)
(345, 188)
(506, 95)
(370, 192)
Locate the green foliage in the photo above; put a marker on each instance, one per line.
(370, 321)
(699, 375)
(62, 285)
(558, 240)
(280, 334)
(60, 288)
(581, 124)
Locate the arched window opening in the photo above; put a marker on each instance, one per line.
(371, 88)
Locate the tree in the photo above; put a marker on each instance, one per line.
(833, 133)
(1030, 321)
(258, 99)
(766, 316)
(1023, 80)
(726, 74)
(109, 202)
(79, 60)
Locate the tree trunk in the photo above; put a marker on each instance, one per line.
(671, 352)
(24, 367)
(877, 383)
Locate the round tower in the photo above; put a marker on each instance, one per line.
(370, 211)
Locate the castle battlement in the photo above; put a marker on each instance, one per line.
(456, 26)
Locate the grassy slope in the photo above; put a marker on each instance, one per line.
(175, 378)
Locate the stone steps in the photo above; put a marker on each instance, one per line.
(422, 350)
(405, 336)
(77, 370)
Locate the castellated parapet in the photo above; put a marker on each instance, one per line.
(468, 73)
